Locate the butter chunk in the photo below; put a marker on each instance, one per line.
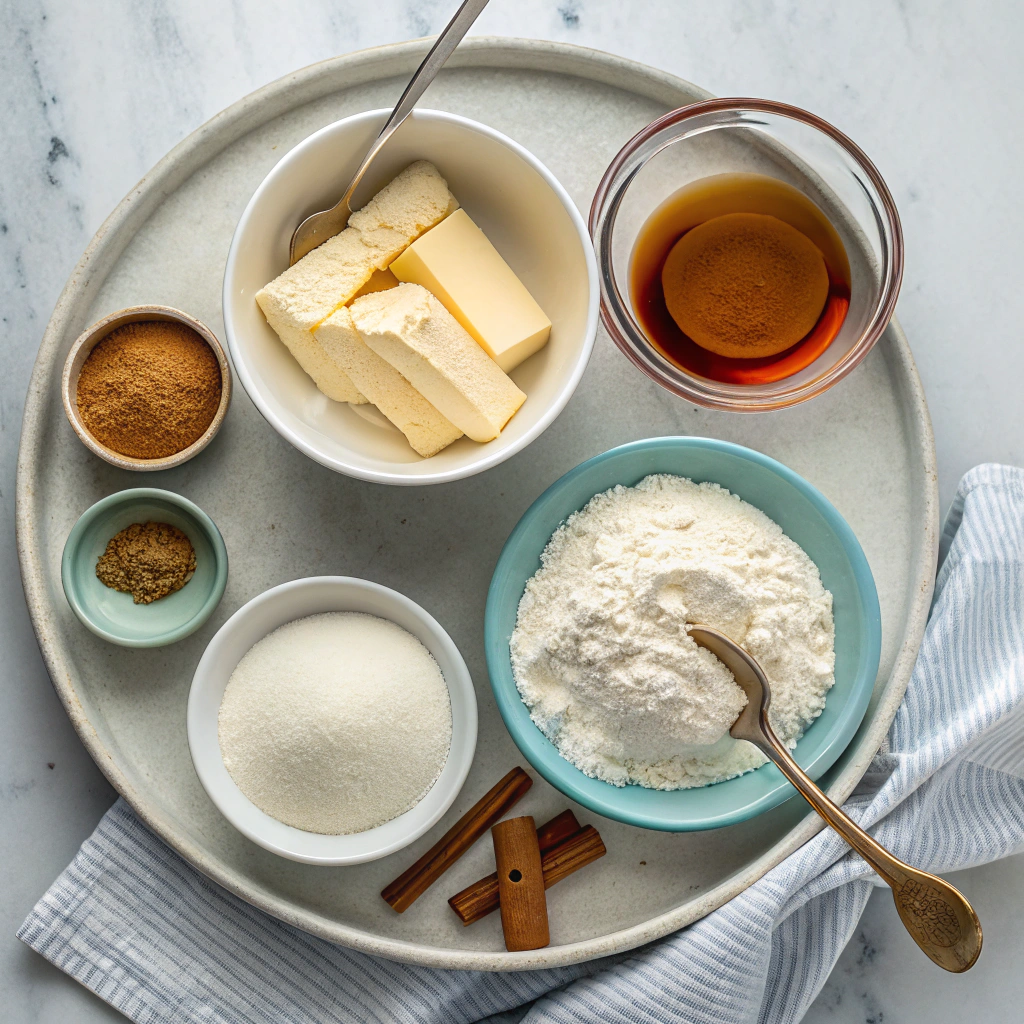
(424, 427)
(297, 301)
(410, 329)
(401, 211)
(457, 262)
(329, 377)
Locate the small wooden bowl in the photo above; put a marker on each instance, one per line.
(84, 345)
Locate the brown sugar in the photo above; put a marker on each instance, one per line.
(149, 389)
(745, 285)
(147, 560)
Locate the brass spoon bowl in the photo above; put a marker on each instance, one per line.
(938, 916)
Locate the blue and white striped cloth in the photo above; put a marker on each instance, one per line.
(133, 922)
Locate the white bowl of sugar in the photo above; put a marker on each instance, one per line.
(238, 714)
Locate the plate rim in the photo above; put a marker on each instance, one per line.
(219, 132)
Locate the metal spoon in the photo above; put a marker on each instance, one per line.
(318, 227)
(938, 917)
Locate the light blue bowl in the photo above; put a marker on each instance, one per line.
(114, 615)
(806, 516)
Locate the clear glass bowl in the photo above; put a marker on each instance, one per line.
(752, 136)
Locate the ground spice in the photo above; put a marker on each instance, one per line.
(147, 560)
(745, 285)
(149, 389)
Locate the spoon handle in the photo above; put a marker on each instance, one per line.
(938, 916)
(425, 74)
(318, 227)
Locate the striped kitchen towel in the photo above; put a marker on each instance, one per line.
(133, 922)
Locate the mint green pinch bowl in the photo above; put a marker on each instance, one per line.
(806, 516)
(114, 615)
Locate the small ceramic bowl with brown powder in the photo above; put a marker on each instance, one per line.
(147, 387)
(144, 567)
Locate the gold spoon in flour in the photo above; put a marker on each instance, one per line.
(318, 227)
(938, 917)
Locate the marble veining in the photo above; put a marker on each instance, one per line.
(97, 93)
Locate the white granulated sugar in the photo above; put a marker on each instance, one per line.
(336, 723)
(600, 651)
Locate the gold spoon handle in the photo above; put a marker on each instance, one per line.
(937, 915)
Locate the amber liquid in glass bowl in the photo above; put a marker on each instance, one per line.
(715, 196)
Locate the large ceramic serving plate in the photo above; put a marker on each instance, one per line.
(866, 444)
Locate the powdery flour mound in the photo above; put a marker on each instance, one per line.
(336, 723)
(600, 651)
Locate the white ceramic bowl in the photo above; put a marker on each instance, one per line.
(255, 620)
(521, 208)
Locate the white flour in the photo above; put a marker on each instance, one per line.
(600, 651)
(336, 723)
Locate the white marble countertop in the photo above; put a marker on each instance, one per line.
(96, 94)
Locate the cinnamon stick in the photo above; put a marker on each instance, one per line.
(572, 854)
(558, 861)
(552, 832)
(481, 898)
(494, 804)
(524, 908)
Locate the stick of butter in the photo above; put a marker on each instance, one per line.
(456, 262)
(410, 328)
(297, 301)
(424, 427)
